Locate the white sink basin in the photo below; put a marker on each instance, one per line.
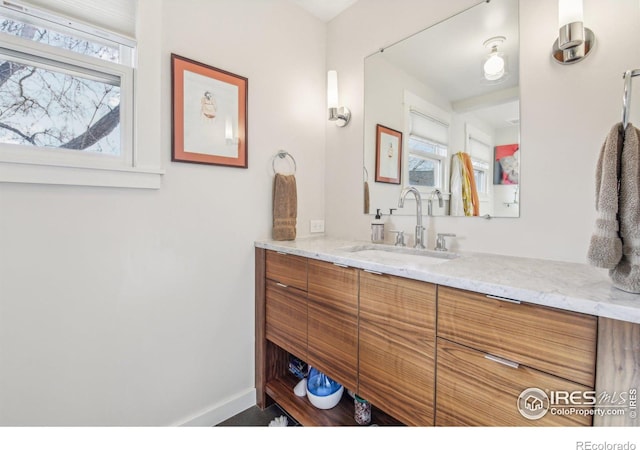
(392, 254)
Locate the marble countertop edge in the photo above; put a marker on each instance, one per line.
(564, 285)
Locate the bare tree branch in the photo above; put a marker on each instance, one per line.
(18, 132)
(8, 68)
(97, 131)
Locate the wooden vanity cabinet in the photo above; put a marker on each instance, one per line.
(286, 302)
(491, 349)
(421, 354)
(397, 346)
(333, 321)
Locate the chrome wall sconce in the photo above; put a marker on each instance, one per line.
(340, 114)
(575, 41)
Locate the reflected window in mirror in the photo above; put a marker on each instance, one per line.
(427, 144)
(479, 146)
(427, 151)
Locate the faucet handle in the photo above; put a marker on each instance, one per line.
(399, 238)
(441, 244)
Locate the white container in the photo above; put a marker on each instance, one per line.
(325, 402)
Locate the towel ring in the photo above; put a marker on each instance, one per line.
(283, 154)
(626, 97)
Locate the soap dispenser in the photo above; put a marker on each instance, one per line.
(377, 228)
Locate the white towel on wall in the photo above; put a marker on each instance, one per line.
(456, 203)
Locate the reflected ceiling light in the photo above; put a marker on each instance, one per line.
(574, 39)
(337, 113)
(494, 66)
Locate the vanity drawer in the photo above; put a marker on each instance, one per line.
(290, 270)
(472, 390)
(558, 342)
(333, 321)
(286, 318)
(396, 353)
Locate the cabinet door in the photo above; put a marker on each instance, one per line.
(287, 269)
(333, 321)
(397, 346)
(473, 390)
(562, 343)
(286, 318)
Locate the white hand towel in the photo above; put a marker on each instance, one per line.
(605, 247)
(626, 275)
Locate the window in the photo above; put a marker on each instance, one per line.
(66, 94)
(479, 148)
(427, 151)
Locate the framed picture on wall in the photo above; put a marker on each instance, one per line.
(388, 155)
(209, 108)
(506, 164)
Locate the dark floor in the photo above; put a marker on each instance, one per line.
(255, 417)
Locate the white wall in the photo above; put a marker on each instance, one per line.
(566, 113)
(131, 307)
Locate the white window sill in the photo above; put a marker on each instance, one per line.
(11, 172)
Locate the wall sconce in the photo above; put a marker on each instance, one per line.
(340, 114)
(495, 64)
(575, 41)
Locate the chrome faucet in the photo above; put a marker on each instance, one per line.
(419, 228)
(430, 201)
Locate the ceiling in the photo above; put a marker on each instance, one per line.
(448, 57)
(324, 10)
(455, 48)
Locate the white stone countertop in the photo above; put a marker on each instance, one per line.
(569, 286)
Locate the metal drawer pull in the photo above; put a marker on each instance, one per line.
(505, 362)
(282, 285)
(341, 265)
(509, 300)
(373, 272)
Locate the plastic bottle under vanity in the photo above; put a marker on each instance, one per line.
(377, 228)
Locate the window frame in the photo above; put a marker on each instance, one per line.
(473, 133)
(44, 165)
(420, 107)
(439, 160)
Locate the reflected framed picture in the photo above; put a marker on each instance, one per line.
(388, 155)
(209, 114)
(506, 163)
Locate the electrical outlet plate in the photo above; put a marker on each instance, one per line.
(316, 226)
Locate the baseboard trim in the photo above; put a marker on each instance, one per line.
(222, 411)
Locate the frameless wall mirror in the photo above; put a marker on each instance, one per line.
(442, 113)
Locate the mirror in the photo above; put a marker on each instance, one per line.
(447, 101)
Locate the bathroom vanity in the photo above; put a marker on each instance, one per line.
(435, 338)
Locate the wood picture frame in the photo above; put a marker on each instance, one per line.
(388, 155)
(209, 114)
